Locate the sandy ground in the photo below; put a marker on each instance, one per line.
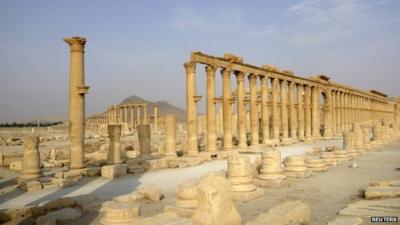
(325, 192)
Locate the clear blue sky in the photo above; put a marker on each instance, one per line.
(138, 47)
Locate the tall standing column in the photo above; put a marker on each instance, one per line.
(346, 112)
(77, 91)
(264, 110)
(328, 115)
(226, 108)
(191, 108)
(307, 111)
(315, 112)
(338, 113)
(170, 135)
(114, 151)
(138, 114)
(155, 117)
(334, 115)
(253, 109)
(300, 112)
(284, 114)
(145, 119)
(275, 111)
(292, 113)
(132, 112)
(241, 110)
(211, 123)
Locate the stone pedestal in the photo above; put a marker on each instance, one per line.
(119, 213)
(114, 171)
(114, 152)
(316, 164)
(271, 173)
(296, 167)
(366, 139)
(359, 139)
(170, 135)
(144, 136)
(77, 91)
(349, 144)
(241, 177)
(31, 161)
(341, 155)
(186, 199)
(329, 158)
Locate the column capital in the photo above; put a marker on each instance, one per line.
(76, 44)
(226, 71)
(210, 70)
(239, 75)
(190, 67)
(251, 76)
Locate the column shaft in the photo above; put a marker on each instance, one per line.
(191, 108)
(292, 113)
(210, 107)
(226, 108)
(253, 109)
(264, 110)
(241, 110)
(300, 112)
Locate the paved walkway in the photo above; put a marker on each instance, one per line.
(106, 189)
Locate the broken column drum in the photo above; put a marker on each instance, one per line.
(114, 152)
(170, 135)
(144, 136)
(31, 160)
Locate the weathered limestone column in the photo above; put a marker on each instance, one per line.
(226, 108)
(121, 116)
(292, 113)
(315, 112)
(253, 109)
(126, 114)
(210, 107)
(300, 112)
(307, 112)
(264, 110)
(31, 160)
(284, 114)
(77, 91)
(155, 117)
(132, 118)
(241, 110)
(170, 135)
(328, 115)
(191, 108)
(271, 173)
(144, 136)
(138, 114)
(275, 111)
(145, 119)
(346, 112)
(114, 152)
(334, 114)
(343, 111)
(338, 113)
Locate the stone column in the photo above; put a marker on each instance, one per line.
(284, 114)
(132, 112)
(343, 111)
(275, 111)
(334, 114)
(145, 119)
(191, 108)
(253, 109)
(211, 121)
(155, 117)
(265, 110)
(138, 114)
(338, 113)
(241, 110)
(114, 152)
(328, 115)
(315, 112)
(307, 112)
(31, 159)
(144, 136)
(170, 135)
(126, 114)
(300, 112)
(77, 91)
(346, 112)
(292, 113)
(226, 108)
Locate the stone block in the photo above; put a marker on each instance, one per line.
(91, 171)
(368, 208)
(135, 169)
(65, 182)
(166, 218)
(114, 171)
(378, 192)
(129, 198)
(30, 186)
(151, 192)
(59, 217)
(155, 164)
(16, 165)
(287, 213)
(113, 213)
(59, 204)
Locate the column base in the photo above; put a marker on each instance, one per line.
(286, 141)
